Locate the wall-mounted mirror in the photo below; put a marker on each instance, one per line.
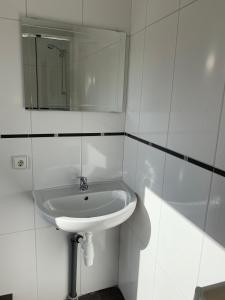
(71, 67)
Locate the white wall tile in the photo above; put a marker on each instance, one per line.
(150, 171)
(144, 222)
(220, 155)
(130, 162)
(128, 263)
(135, 82)
(12, 9)
(102, 157)
(216, 210)
(212, 268)
(16, 202)
(158, 9)
(67, 10)
(52, 264)
(103, 122)
(158, 69)
(13, 117)
(165, 288)
(106, 247)
(107, 13)
(179, 249)
(56, 161)
(124, 261)
(18, 265)
(199, 80)
(40, 221)
(186, 190)
(149, 183)
(56, 122)
(146, 270)
(138, 15)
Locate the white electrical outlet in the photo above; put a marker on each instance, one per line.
(20, 162)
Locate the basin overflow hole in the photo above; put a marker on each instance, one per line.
(86, 198)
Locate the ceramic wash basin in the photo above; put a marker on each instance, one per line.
(104, 205)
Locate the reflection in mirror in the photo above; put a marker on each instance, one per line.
(69, 67)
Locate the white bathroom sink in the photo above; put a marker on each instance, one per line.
(102, 206)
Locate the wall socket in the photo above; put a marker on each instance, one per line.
(20, 162)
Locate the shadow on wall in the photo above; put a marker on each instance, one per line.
(102, 158)
(134, 240)
(173, 213)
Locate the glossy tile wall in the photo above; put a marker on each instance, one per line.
(175, 241)
(33, 255)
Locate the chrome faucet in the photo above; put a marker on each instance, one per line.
(83, 183)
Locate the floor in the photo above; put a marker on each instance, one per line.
(107, 294)
(6, 297)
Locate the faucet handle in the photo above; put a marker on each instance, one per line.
(83, 180)
(82, 177)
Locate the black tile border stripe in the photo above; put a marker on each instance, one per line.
(219, 172)
(79, 134)
(16, 136)
(200, 164)
(91, 134)
(13, 136)
(134, 137)
(179, 155)
(20, 136)
(114, 133)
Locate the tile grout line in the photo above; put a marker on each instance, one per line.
(82, 21)
(141, 80)
(204, 230)
(159, 222)
(10, 19)
(147, 10)
(130, 21)
(15, 232)
(162, 18)
(34, 210)
(26, 8)
(81, 144)
(165, 156)
(222, 105)
(166, 142)
(173, 79)
(211, 182)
